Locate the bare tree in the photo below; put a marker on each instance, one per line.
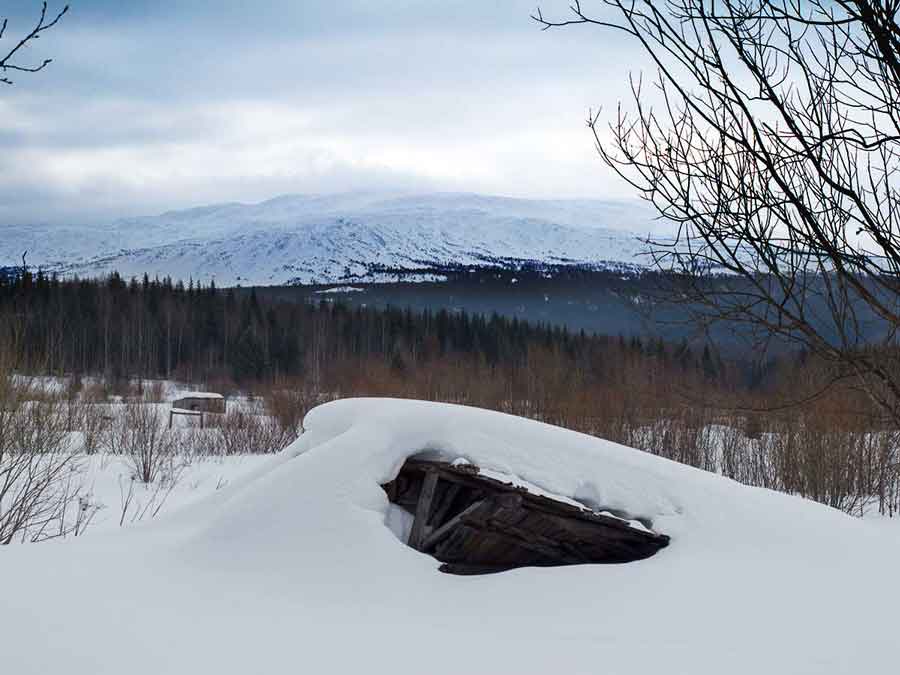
(11, 57)
(38, 470)
(771, 136)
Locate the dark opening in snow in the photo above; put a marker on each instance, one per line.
(476, 524)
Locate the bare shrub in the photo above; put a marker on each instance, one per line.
(753, 425)
(37, 467)
(288, 406)
(94, 420)
(155, 392)
(199, 443)
(140, 435)
(244, 433)
(118, 386)
(77, 513)
(140, 500)
(70, 396)
(95, 392)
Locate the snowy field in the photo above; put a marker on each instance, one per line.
(109, 488)
(292, 567)
(74, 462)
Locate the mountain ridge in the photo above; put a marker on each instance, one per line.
(334, 238)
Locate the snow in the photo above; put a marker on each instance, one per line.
(297, 566)
(107, 481)
(347, 238)
(200, 395)
(341, 289)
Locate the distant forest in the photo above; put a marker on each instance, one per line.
(225, 339)
(164, 329)
(783, 423)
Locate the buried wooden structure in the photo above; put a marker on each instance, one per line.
(197, 404)
(201, 402)
(186, 413)
(475, 524)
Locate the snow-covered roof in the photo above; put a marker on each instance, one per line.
(530, 488)
(197, 394)
(480, 523)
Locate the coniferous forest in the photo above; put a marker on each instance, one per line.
(781, 423)
(164, 329)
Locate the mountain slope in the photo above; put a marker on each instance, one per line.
(333, 238)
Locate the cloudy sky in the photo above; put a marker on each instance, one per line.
(151, 105)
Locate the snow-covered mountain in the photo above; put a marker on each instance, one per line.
(336, 238)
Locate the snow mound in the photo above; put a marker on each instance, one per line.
(355, 445)
(294, 567)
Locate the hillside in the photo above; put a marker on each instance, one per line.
(334, 238)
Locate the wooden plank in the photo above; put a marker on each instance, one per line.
(466, 569)
(454, 547)
(551, 553)
(446, 501)
(444, 530)
(509, 507)
(559, 509)
(423, 510)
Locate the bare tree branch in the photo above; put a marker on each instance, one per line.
(771, 138)
(9, 62)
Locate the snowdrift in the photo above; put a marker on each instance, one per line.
(298, 568)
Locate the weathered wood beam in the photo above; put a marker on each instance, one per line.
(551, 553)
(437, 535)
(528, 539)
(466, 569)
(423, 510)
(446, 501)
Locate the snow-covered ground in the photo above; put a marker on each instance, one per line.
(292, 567)
(117, 499)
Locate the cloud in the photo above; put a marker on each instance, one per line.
(149, 106)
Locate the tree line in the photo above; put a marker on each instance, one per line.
(790, 423)
(153, 328)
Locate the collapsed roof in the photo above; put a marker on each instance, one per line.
(477, 524)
